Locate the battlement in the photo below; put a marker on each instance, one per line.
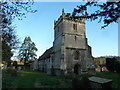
(68, 16)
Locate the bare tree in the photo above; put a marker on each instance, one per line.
(107, 12)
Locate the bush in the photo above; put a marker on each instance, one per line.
(9, 63)
(117, 66)
(15, 64)
(112, 64)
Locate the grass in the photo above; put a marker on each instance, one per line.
(111, 75)
(31, 79)
(115, 77)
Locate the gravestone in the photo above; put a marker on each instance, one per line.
(98, 83)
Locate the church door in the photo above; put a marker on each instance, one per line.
(76, 69)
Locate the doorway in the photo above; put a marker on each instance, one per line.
(76, 67)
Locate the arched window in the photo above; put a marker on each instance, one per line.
(76, 55)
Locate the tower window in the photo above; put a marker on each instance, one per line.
(76, 55)
(75, 38)
(75, 27)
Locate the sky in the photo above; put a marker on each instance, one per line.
(40, 27)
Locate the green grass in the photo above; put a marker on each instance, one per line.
(31, 79)
(115, 77)
(111, 75)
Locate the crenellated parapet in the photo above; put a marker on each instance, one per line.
(70, 53)
(67, 16)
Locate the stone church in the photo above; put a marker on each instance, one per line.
(70, 52)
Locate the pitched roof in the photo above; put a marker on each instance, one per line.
(46, 54)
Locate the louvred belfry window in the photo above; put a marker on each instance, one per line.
(75, 27)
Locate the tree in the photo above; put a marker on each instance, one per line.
(110, 64)
(8, 12)
(107, 12)
(15, 64)
(97, 62)
(113, 64)
(117, 66)
(27, 50)
(9, 42)
(15, 9)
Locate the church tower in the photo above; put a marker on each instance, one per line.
(72, 54)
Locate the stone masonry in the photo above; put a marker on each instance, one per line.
(70, 52)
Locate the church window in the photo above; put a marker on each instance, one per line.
(75, 38)
(76, 55)
(75, 27)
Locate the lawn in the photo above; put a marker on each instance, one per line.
(31, 79)
(111, 75)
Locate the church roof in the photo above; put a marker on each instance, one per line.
(46, 54)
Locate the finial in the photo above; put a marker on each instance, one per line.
(63, 11)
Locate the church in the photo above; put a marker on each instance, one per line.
(70, 52)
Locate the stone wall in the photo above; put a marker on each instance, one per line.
(69, 37)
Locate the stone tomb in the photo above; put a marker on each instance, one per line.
(98, 83)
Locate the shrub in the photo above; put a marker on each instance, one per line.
(9, 63)
(112, 64)
(15, 64)
(117, 66)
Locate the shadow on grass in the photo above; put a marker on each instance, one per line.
(32, 79)
(29, 79)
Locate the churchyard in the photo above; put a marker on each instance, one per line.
(33, 79)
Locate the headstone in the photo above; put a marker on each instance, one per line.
(100, 83)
